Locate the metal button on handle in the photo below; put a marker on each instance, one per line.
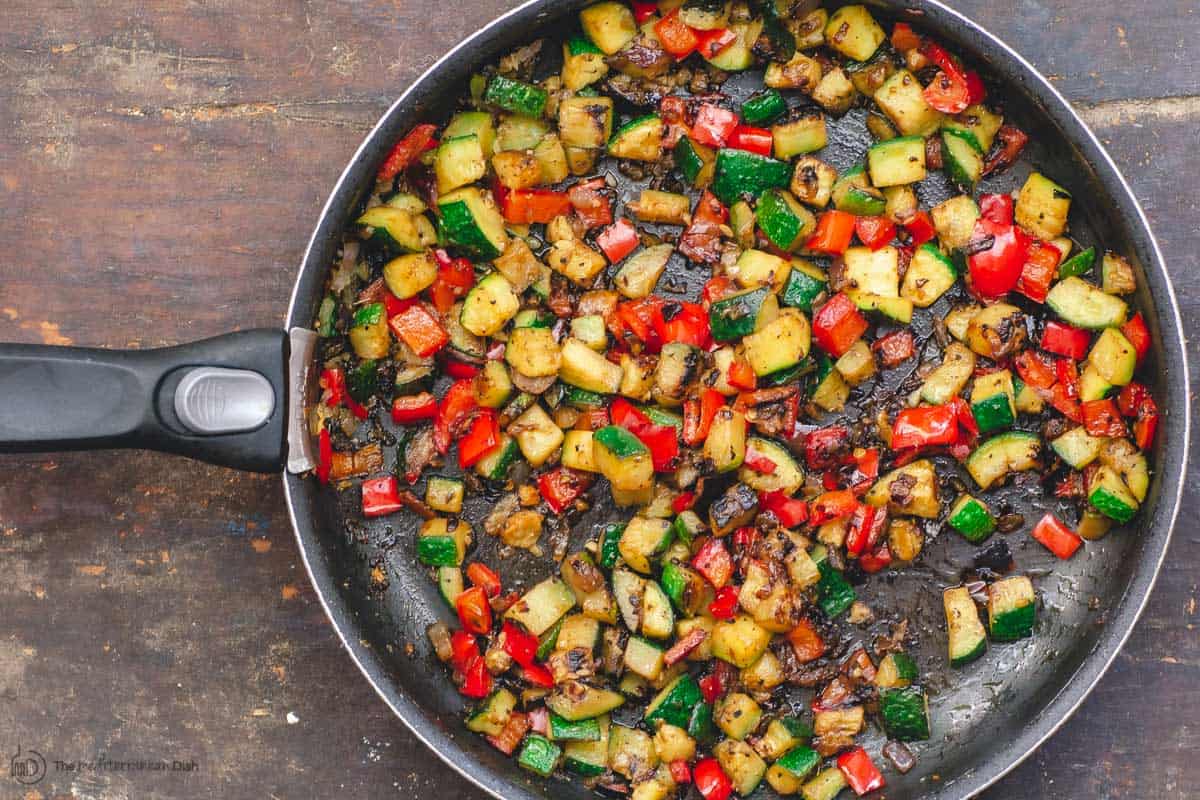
(213, 400)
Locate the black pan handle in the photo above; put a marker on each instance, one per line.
(223, 400)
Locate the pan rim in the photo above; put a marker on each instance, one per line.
(1107, 646)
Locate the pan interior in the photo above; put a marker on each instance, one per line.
(985, 716)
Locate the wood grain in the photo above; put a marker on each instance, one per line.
(161, 165)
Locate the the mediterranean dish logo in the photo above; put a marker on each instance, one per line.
(28, 766)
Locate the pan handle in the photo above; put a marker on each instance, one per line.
(223, 400)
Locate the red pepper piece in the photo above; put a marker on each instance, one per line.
(459, 369)
(683, 322)
(618, 240)
(477, 680)
(866, 469)
(920, 229)
(523, 206)
(458, 402)
(948, 93)
(1040, 270)
(754, 140)
(710, 43)
(806, 642)
(333, 381)
(677, 39)
(483, 576)
(519, 643)
(1138, 334)
(895, 348)
(680, 772)
(473, 610)
(1034, 370)
(1057, 538)
(538, 675)
(876, 561)
(1065, 340)
(562, 486)
(453, 282)
(713, 561)
(741, 375)
(1131, 397)
(712, 688)
(995, 271)
(726, 603)
(406, 151)
(463, 649)
(866, 528)
(381, 496)
(837, 325)
(713, 125)
(1101, 418)
(414, 408)
(1067, 374)
(1065, 402)
(860, 771)
(831, 505)
(513, 732)
(420, 329)
(1135, 401)
(324, 456)
(758, 462)
(904, 38)
(744, 538)
(698, 416)
(790, 511)
(591, 203)
(964, 416)
(823, 448)
(641, 318)
(716, 289)
(834, 231)
(976, 91)
(875, 232)
(996, 207)
(683, 501)
(924, 427)
(644, 10)
(711, 781)
(482, 438)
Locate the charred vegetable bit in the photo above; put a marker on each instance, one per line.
(510, 341)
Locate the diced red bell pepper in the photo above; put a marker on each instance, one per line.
(741, 375)
(877, 560)
(895, 348)
(1135, 401)
(948, 93)
(806, 642)
(710, 43)
(824, 447)
(790, 511)
(1034, 370)
(639, 318)
(904, 38)
(1101, 418)
(683, 501)
(458, 402)
(1012, 141)
(1065, 340)
(860, 771)
(538, 675)
(713, 561)
(459, 369)
(1131, 398)
(677, 38)
(866, 529)
(523, 206)
(393, 305)
(453, 282)
(712, 687)
(618, 240)
(925, 426)
(414, 408)
(519, 643)
(744, 538)
(512, 733)
(562, 486)
(644, 10)
(381, 496)
(964, 416)
(716, 289)
(1057, 538)
(711, 781)
(996, 207)
(1066, 372)
(976, 90)
(420, 329)
(333, 381)
(1040, 270)
(831, 505)
(683, 322)
(483, 576)
(834, 231)
(837, 325)
(1066, 401)
(758, 462)
(324, 456)
(661, 440)
(754, 140)
(698, 416)
(463, 649)
(477, 681)
(680, 772)
(875, 232)
(713, 125)
(920, 229)
(406, 151)
(725, 605)
(591, 203)
(626, 414)
(482, 438)
(995, 271)
(473, 610)
(1138, 334)
(866, 469)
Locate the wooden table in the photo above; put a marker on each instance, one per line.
(161, 165)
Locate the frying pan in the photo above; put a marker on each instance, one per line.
(238, 400)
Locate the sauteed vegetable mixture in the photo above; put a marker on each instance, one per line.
(738, 414)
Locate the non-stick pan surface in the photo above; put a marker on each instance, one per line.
(987, 717)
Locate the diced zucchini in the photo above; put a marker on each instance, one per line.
(825, 786)
(830, 391)
(658, 620)
(536, 435)
(930, 275)
(1109, 495)
(584, 730)
(495, 464)
(1002, 455)
(756, 268)
(575, 260)
(967, 638)
(954, 220)
(583, 64)
(369, 337)
(668, 208)
(901, 97)
(740, 172)
(489, 305)
(625, 461)
(905, 714)
(1077, 448)
(444, 494)
(583, 367)
(442, 542)
(1085, 306)
(1113, 357)
(587, 758)
(978, 121)
(533, 352)
(585, 122)
(575, 701)
(519, 132)
(639, 140)
(630, 751)
(704, 15)
(696, 161)
(787, 774)
(398, 230)
(541, 607)
(450, 584)
(740, 641)
(854, 194)
(726, 442)
(962, 158)
(804, 283)
(836, 92)
(1130, 463)
(493, 713)
(471, 220)
(896, 671)
(873, 272)
(1012, 607)
(897, 162)
(458, 162)
(786, 223)
(993, 402)
(640, 273)
(516, 96)
(739, 55)
(609, 25)
(737, 715)
(854, 33)
(674, 704)
(971, 517)
(1042, 207)
(805, 134)
(781, 344)
(923, 496)
(577, 451)
(744, 767)
(409, 275)
(644, 540)
(1116, 275)
(643, 658)
(788, 477)
(473, 123)
(998, 322)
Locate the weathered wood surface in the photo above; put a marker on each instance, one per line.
(161, 164)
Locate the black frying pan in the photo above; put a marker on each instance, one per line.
(231, 401)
